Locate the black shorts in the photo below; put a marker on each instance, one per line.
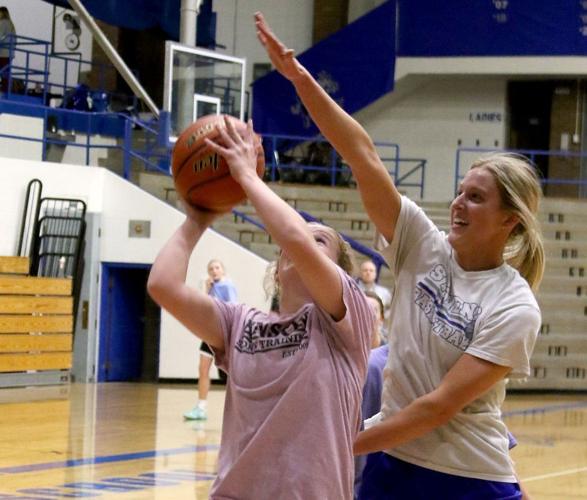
(205, 348)
(206, 351)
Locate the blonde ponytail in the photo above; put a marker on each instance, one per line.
(521, 193)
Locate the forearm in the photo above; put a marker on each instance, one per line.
(378, 193)
(469, 378)
(346, 135)
(349, 138)
(415, 420)
(285, 225)
(171, 264)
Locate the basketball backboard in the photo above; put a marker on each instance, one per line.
(199, 82)
(205, 105)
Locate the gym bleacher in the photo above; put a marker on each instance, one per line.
(558, 362)
(430, 121)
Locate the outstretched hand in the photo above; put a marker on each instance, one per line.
(282, 58)
(239, 152)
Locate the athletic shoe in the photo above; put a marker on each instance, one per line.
(196, 413)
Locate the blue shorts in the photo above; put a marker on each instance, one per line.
(388, 478)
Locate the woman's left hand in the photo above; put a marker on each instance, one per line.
(239, 152)
(282, 58)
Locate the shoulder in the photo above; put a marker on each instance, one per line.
(410, 209)
(516, 291)
(414, 225)
(506, 296)
(511, 306)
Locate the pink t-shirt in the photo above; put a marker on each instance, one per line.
(293, 400)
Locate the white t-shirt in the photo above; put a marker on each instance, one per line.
(439, 312)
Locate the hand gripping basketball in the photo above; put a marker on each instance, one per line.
(201, 176)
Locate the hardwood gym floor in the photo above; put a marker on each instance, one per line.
(129, 441)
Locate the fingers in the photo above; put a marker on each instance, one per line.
(217, 148)
(232, 133)
(265, 35)
(227, 138)
(250, 133)
(258, 21)
(230, 140)
(239, 138)
(262, 38)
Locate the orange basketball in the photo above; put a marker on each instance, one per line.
(201, 176)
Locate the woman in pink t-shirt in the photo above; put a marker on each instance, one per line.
(292, 407)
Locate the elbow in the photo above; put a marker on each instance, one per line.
(366, 148)
(156, 288)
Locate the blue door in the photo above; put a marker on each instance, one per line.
(122, 322)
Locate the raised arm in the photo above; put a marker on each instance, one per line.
(380, 197)
(286, 226)
(167, 286)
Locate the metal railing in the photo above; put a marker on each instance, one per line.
(52, 236)
(313, 160)
(377, 259)
(46, 74)
(154, 157)
(355, 245)
(536, 156)
(300, 159)
(403, 179)
(157, 152)
(14, 44)
(30, 215)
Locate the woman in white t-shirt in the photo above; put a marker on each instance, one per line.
(292, 408)
(464, 313)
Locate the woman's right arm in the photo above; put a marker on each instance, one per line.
(380, 197)
(167, 286)
(466, 381)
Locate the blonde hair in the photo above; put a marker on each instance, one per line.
(270, 281)
(520, 193)
(345, 260)
(216, 261)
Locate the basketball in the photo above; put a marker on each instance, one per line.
(202, 177)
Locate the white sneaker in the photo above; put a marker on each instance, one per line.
(196, 413)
